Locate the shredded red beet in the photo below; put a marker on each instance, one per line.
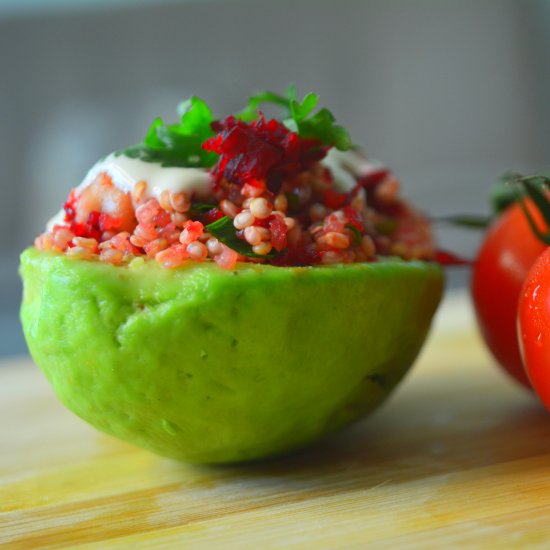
(260, 150)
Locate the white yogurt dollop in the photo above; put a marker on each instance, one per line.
(347, 166)
(125, 172)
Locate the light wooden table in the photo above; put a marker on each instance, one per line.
(458, 457)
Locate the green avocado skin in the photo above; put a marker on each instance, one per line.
(211, 366)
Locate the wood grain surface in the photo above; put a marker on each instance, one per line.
(459, 457)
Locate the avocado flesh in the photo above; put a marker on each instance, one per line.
(210, 366)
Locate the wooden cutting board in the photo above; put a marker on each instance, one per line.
(458, 457)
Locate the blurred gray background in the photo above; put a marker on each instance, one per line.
(449, 93)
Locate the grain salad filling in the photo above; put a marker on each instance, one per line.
(287, 192)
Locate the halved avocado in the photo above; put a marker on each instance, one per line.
(209, 366)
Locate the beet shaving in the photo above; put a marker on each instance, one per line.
(262, 150)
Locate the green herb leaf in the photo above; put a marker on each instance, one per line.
(178, 144)
(250, 112)
(300, 111)
(291, 91)
(321, 126)
(356, 233)
(224, 230)
(299, 117)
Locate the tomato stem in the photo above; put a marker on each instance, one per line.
(534, 187)
(471, 221)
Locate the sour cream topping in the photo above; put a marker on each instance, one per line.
(126, 172)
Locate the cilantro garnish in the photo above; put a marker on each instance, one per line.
(224, 230)
(300, 117)
(178, 144)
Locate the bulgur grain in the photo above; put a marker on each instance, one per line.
(112, 256)
(164, 200)
(317, 212)
(138, 192)
(260, 208)
(229, 208)
(180, 202)
(263, 248)
(214, 247)
(197, 251)
(281, 203)
(243, 219)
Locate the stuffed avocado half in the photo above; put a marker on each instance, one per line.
(209, 365)
(231, 289)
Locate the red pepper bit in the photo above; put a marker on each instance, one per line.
(106, 222)
(278, 229)
(211, 216)
(85, 230)
(333, 199)
(93, 218)
(69, 207)
(449, 258)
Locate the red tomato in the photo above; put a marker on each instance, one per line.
(508, 251)
(534, 326)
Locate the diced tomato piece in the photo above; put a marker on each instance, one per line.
(374, 178)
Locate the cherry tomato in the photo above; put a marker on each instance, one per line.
(506, 255)
(534, 326)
